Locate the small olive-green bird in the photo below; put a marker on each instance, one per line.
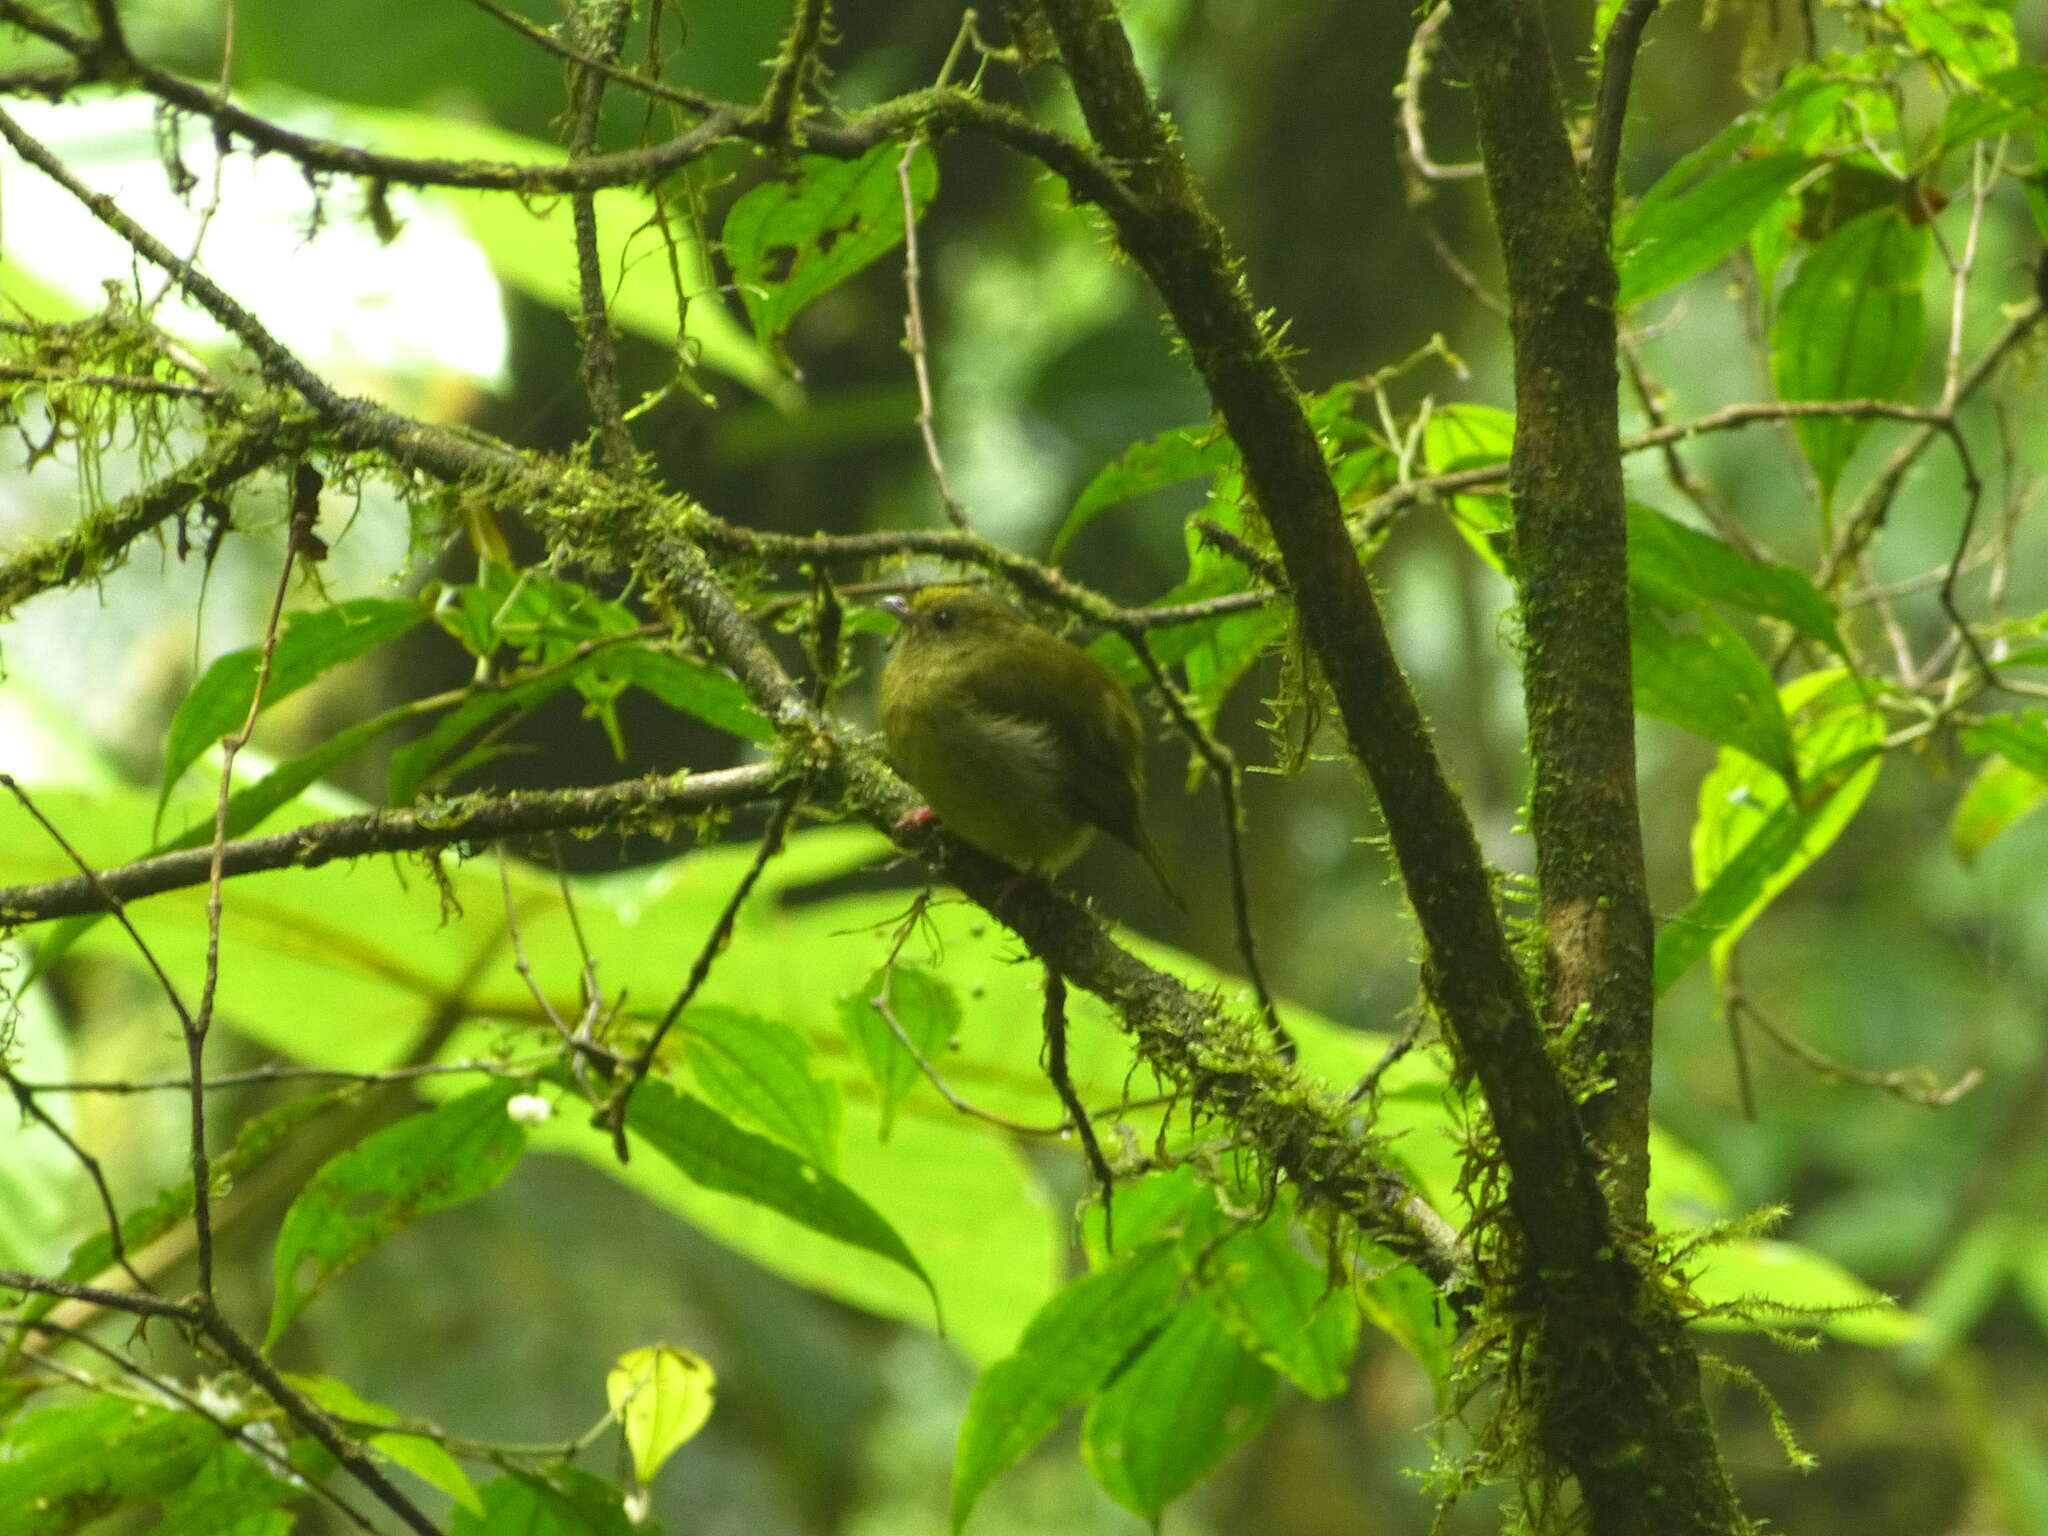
(1023, 743)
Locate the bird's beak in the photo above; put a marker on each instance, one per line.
(900, 606)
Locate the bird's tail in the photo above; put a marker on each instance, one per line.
(1157, 864)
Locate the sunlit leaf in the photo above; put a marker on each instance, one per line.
(1679, 568)
(922, 1005)
(561, 1501)
(1283, 1308)
(763, 1074)
(1701, 675)
(661, 1397)
(719, 1155)
(694, 687)
(1681, 235)
(1752, 838)
(232, 1494)
(2008, 101)
(420, 1455)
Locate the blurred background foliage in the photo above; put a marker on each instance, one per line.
(1892, 952)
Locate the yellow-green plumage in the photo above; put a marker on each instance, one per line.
(1023, 743)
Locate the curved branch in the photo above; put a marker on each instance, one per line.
(1617, 70)
(442, 824)
(101, 539)
(939, 110)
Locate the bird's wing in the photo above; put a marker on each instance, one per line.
(1094, 724)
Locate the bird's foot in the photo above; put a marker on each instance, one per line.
(917, 820)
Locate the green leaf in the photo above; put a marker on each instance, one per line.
(563, 1501)
(1779, 1282)
(1399, 1300)
(1191, 1398)
(694, 687)
(308, 644)
(1072, 1345)
(764, 1074)
(1708, 681)
(1461, 437)
(926, 1009)
(717, 1154)
(1280, 1306)
(1849, 328)
(2000, 794)
(2009, 101)
(1967, 38)
(2022, 738)
(1224, 651)
(232, 1494)
(418, 1454)
(67, 1467)
(661, 1397)
(789, 242)
(1681, 235)
(434, 755)
(531, 244)
(385, 1183)
(1752, 838)
(1168, 459)
(1678, 568)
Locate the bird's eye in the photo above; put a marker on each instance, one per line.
(943, 618)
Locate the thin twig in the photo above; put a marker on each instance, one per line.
(680, 96)
(1414, 74)
(1055, 1020)
(1687, 484)
(515, 1070)
(126, 383)
(600, 352)
(167, 1389)
(914, 343)
(471, 819)
(1916, 1085)
(1399, 1046)
(105, 897)
(884, 1006)
(715, 941)
(1617, 68)
(305, 509)
(278, 361)
(914, 335)
(782, 100)
(25, 1098)
(302, 1412)
(1223, 768)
